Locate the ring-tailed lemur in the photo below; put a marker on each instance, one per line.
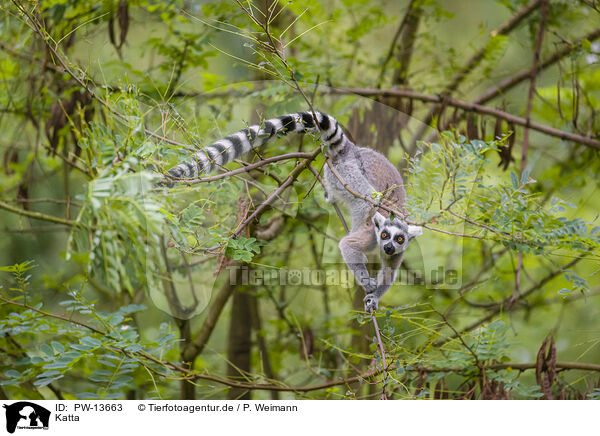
(362, 169)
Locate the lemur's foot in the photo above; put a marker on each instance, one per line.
(371, 303)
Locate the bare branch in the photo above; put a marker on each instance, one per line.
(497, 307)
(244, 169)
(477, 108)
(510, 82)
(532, 79)
(291, 178)
(473, 62)
(38, 215)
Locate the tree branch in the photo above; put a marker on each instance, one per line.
(192, 375)
(532, 79)
(291, 178)
(477, 108)
(214, 312)
(473, 62)
(497, 307)
(37, 215)
(246, 168)
(510, 82)
(411, 19)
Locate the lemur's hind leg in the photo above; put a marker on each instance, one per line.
(353, 247)
(385, 279)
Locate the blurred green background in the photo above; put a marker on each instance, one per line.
(98, 98)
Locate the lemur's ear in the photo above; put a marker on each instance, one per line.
(414, 231)
(378, 220)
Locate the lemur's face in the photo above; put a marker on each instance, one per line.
(394, 236)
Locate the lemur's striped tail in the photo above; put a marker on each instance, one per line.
(233, 146)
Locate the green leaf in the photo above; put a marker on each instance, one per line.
(81, 347)
(134, 348)
(41, 382)
(87, 396)
(47, 349)
(124, 379)
(98, 378)
(58, 347)
(91, 342)
(514, 179)
(47, 374)
(56, 365)
(586, 45)
(12, 373)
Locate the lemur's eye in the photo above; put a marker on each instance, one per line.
(400, 239)
(384, 235)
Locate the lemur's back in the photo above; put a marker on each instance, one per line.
(384, 176)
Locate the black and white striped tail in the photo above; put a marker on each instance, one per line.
(237, 144)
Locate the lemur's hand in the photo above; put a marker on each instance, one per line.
(370, 286)
(371, 302)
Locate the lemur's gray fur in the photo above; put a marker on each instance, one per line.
(363, 170)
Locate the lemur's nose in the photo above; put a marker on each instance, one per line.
(388, 248)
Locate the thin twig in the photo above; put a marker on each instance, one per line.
(244, 169)
(382, 353)
(291, 178)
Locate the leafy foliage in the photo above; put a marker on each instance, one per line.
(111, 281)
